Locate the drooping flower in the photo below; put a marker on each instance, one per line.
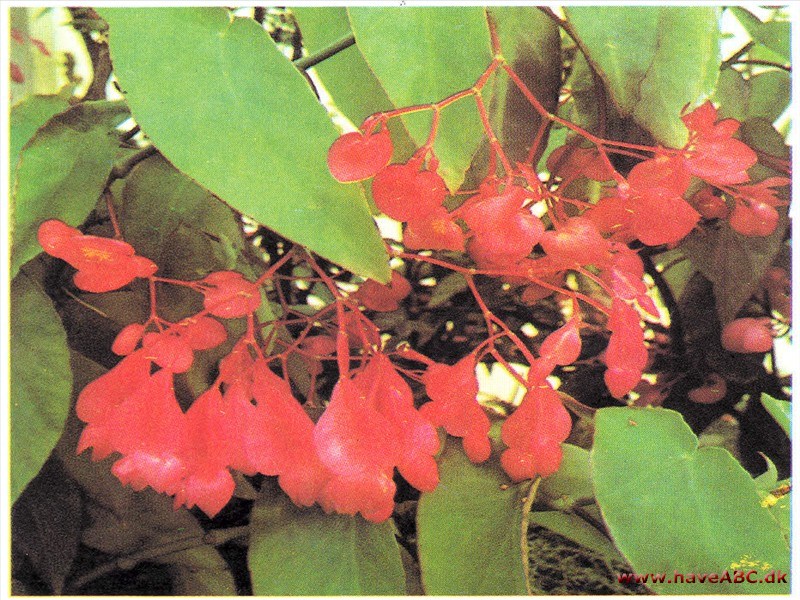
(748, 335)
(503, 231)
(406, 192)
(533, 434)
(624, 275)
(103, 264)
(416, 437)
(571, 161)
(453, 391)
(712, 153)
(626, 355)
(283, 440)
(655, 198)
(357, 445)
(563, 346)
(208, 483)
(150, 431)
(435, 231)
(229, 295)
(384, 298)
(577, 241)
(355, 156)
(101, 398)
(369, 428)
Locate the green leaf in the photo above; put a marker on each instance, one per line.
(160, 204)
(579, 531)
(249, 129)
(422, 55)
(359, 94)
(571, 482)
(770, 95)
(46, 524)
(472, 529)
(768, 480)
(62, 172)
(762, 96)
(732, 95)
(28, 116)
(41, 381)
(775, 35)
(780, 410)
(296, 551)
(733, 262)
(673, 508)
(653, 60)
(200, 572)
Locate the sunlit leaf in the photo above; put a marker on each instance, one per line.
(249, 129)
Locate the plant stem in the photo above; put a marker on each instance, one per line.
(764, 63)
(734, 58)
(123, 169)
(314, 59)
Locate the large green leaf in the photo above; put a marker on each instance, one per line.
(673, 508)
(62, 172)
(229, 110)
(472, 530)
(41, 381)
(28, 116)
(305, 552)
(358, 94)
(654, 60)
(422, 55)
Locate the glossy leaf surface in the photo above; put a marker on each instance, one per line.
(679, 508)
(249, 129)
(477, 511)
(296, 551)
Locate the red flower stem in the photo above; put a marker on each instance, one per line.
(342, 337)
(406, 351)
(391, 114)
(112, 214)
(635, 146)
(512, 371)
(432, 135)
(536, 142)
(491, 319)
(190, 284)
(151, 283)
(588, 274)
(493, 37)
(493, 141)
(574, 201)
(274, 267)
